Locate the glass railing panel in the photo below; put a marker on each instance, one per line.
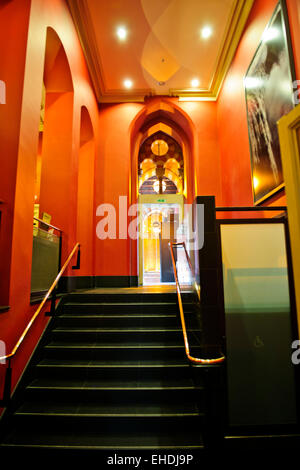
(45, 260)
(261, 386)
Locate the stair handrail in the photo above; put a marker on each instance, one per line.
(195, 360)
(9, 356)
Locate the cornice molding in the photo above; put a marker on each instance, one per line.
(235, 26)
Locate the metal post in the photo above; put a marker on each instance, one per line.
(7, 385)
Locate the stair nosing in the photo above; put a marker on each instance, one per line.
(108, 366)
(155, 304)
(74, 447)
(111, 415)
(120, 330)
(124, 315)
(39, 387)
(98, 346)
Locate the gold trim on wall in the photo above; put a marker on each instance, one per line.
(235, 25)
(289, 136)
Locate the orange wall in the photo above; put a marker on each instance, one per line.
(14, 17)
(206, 157)
(23, 31)
(112, 180)
(115, 165)
(232, 118)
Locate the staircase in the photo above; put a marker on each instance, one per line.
(110, 376)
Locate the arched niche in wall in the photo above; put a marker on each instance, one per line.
(55, 168)
(85, 195)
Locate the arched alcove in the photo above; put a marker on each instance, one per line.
(56, 126)
(85, 195)
(54, 168)
(160, 115)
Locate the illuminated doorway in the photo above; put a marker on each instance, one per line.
(160, 182)
(160, 219)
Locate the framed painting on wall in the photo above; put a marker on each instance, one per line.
(269, 96)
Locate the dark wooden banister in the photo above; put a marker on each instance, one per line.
(195, 360)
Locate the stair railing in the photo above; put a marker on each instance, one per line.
(52, 290)
(195, 360)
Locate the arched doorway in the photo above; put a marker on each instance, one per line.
(161, 185)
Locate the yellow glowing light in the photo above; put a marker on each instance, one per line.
(128, 83)
(255, 182)
(159, 147)
(206, 32)
(122, 33)
(195, 82)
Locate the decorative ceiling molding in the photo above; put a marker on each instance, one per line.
(234, 28)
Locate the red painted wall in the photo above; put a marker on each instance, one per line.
(206, 157)
(23, 30)
(14, 17)
(114, 167)
(231, 116)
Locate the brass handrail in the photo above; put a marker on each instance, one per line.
(196, 360)
(54, 284)
(197, 287)
(46, 223)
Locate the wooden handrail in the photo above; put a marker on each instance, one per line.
(54, 284)
(195, 360)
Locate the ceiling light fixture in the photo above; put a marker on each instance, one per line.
(195, 83)
(128, 83)
(206, 32)
(122, 33)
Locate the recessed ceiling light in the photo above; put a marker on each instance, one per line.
(128, 83)
(195, 83)
(122, 33)
(206, 32)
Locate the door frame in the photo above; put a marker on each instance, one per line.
(160, 200)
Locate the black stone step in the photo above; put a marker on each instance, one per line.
(110, 370)
(116, 351)
(112, 439)
(96, 410)
(119, 308)
(121, 335)
(113, 392)
(124, 320)
(101, 384)
(128, 296)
